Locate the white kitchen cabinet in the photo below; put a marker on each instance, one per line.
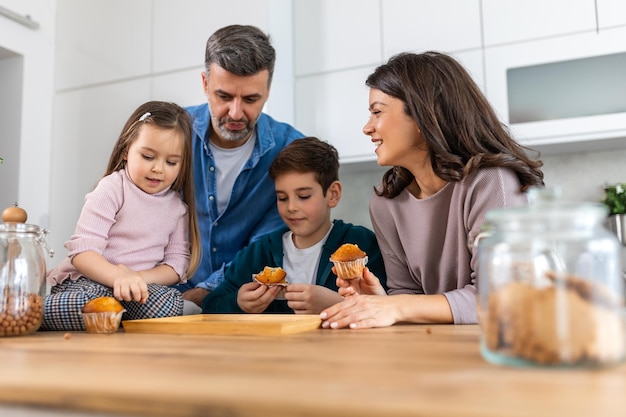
(502, 63)
(513, 21)
(472, 61)
(331, 35)
(99, 42)
(611, 13)
(181, 29)
(85, 132)
(420, 25)
(181, 87)
(334, 107)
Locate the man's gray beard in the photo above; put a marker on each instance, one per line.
(229, 135)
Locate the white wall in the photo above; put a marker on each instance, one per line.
(96, 60)
(114, 55)
(339, 42)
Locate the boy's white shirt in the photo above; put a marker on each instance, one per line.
(301, 264)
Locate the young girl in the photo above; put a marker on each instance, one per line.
(137, 232)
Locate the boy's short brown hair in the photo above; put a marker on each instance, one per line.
(308, 154)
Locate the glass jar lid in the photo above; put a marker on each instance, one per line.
(19, 228)
(546, 211)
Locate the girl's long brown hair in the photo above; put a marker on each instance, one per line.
(461, 130)
(165, 116)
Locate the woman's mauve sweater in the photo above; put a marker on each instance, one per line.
(424, 242)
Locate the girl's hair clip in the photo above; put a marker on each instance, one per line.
(145, 116)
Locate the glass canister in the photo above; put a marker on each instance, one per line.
(550, 287)
(22, 277)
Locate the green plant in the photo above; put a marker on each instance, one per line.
(615, 198)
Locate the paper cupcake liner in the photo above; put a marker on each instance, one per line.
(350, 269)
(107, 322)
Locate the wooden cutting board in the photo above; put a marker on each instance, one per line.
(245, 324)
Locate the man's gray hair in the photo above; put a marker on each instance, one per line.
(242, 50)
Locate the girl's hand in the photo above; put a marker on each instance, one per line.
(128, 285)
(310, 299)
(367, 284)
(254, 298)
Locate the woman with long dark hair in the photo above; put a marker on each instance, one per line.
(452, 161)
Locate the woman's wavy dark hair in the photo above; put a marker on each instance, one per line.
(459, 126)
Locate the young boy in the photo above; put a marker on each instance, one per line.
(306, 179)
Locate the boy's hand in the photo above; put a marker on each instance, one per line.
(367, 284)
(254, 298)
(310, 299)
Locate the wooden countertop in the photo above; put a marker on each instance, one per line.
(403, 370)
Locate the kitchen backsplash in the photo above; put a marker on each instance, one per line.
(580, 176)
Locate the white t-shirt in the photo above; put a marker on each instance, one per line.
(228, 164)
(301, 264)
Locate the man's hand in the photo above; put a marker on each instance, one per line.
(196, 295)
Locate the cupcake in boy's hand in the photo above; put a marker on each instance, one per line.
(271, 276)
(102, 315)
(349, 261)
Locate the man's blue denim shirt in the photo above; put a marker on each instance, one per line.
(251, 211)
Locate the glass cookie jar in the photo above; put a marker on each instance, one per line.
(22, 278)
(550, 290)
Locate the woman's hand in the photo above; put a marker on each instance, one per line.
(310, 299)
(367, 284)
(360, 312)
(363, 311)
(254, 298)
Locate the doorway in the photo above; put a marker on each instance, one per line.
(11, 85)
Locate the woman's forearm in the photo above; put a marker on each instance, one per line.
(417, 308)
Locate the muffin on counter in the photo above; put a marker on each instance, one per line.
(102, 315)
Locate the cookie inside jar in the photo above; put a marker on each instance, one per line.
(550, 291)
(571, 321)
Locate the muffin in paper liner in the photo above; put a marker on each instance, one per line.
(350, 269)
(105, 322)
(284, 284)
